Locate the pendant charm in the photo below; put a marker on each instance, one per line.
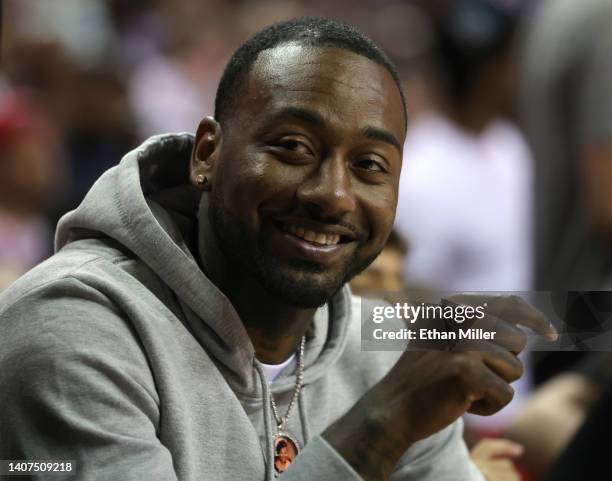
(285, 450)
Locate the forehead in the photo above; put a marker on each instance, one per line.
(339, 84)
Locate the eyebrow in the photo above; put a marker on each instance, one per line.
(306, 115)
(382, 135)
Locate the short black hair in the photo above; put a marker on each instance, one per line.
(470, 35)
(310, 31)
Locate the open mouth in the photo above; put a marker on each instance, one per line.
(314, 237)
(313, 241)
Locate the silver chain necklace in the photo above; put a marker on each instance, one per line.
(285, 446)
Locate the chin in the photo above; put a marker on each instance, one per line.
(302, 289)
(309, 300)
(305, 284)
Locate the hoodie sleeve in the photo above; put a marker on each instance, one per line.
(60, 379)
(441, 457)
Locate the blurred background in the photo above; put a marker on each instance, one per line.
(507, 165)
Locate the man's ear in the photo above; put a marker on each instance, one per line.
(206, 148)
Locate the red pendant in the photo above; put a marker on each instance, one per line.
(285, 451)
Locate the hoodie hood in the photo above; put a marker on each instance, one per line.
(147, 204)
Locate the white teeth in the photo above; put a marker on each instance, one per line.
(320, 238)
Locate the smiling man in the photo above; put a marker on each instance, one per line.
(197, 303)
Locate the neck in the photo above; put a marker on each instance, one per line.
(478, 107)
(274, 327)
(472, 116)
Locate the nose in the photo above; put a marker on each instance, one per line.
(328, 190)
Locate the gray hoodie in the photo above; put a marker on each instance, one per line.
(119, 354)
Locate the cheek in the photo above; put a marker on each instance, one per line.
(379, 209)
(256, 181)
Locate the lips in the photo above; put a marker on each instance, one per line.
(320, 238)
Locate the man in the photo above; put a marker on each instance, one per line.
(150, 343)
(464, 200)
(567, 114)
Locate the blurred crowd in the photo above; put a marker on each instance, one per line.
(507, 162)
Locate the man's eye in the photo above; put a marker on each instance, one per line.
(296, 146)
(370, 165)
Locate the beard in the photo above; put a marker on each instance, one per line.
(296, 282)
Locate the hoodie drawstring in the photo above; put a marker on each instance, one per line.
(267, 423)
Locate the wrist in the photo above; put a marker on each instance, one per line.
(368, 440)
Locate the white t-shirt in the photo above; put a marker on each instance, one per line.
(464, 206)
(272, 371)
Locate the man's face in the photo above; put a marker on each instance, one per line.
(305, 186)
(283, 455)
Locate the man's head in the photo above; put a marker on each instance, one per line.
(475, 49)
(283, 455)
(303, 161)
(282, 451)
